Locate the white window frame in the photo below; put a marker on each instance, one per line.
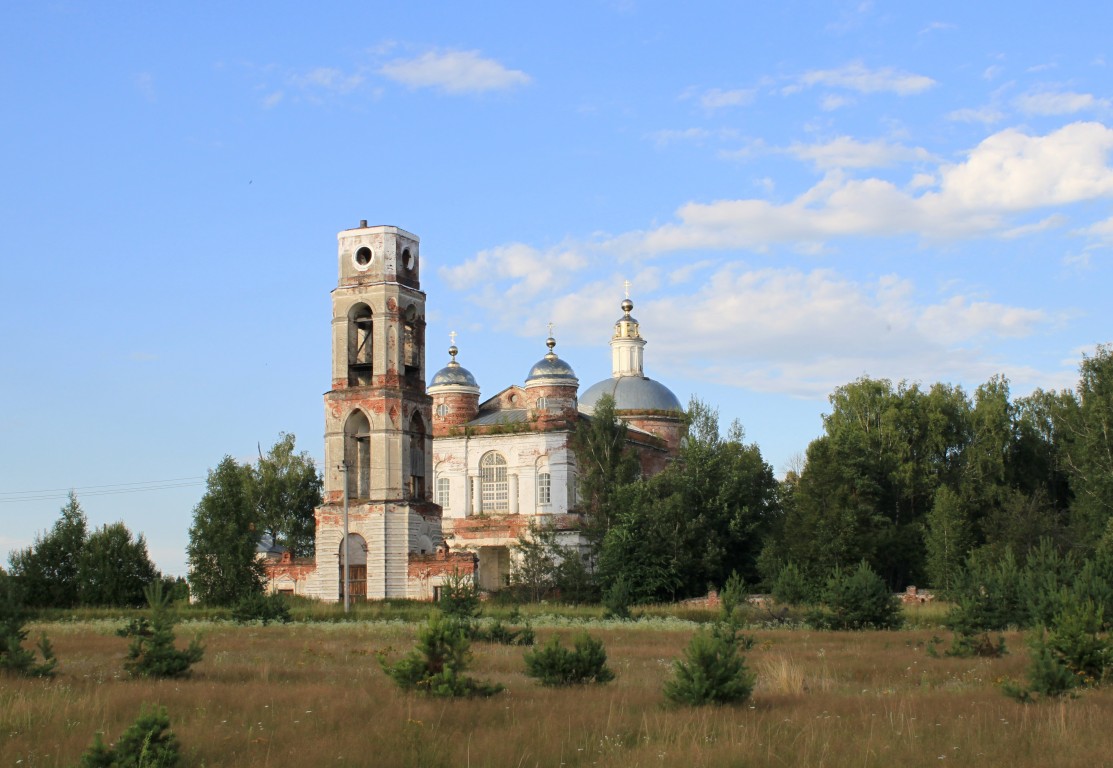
(544, 488)
(494, 482)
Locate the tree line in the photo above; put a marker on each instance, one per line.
(916, 481)
(913, 480)
(273, 499)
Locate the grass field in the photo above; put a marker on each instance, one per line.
(314, 695)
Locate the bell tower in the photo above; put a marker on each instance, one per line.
(378, 417)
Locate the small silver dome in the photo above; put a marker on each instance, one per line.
(551, 367)
(453, 374)
(631, 393)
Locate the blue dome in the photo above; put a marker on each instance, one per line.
(631, 393)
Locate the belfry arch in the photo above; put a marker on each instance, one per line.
(357, 454)
(361, 345)
(417, 437)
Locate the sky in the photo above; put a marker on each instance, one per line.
(800, 194)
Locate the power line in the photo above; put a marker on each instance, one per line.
(9, 497)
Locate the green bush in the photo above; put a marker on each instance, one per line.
(459, 598)
(1073, 653)
(989, 595)
(14, 658)
(555, 665)
(263, 608)
(712, 671)
(733, 598)
(147, 743)
(152, 652)
(618, 598)
(436, 666)
(497, 632)
(860, 600)
(791, 587)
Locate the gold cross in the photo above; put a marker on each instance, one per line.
(452, 336)
(550, 329)
(627, 284)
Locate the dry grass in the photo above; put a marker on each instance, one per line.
(313, 695)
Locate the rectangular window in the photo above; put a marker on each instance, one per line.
(544, 494)
(442, 491)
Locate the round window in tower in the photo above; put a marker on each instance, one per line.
(442, 410)
(363, 258)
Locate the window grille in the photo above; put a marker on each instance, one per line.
(496, 488)
(544, 492)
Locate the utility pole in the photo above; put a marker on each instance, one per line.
(347, 574)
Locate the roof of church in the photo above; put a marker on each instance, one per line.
(631, 393)
(507, 416)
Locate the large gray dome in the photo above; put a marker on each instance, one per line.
(454, 375)
(631, 393)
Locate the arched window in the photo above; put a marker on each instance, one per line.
(496, 489)
(411, 343)
(542, 403)
(357, 567)
(443, 497)
(357, 455)
(361, 345)
(417, 457)
(544, 488)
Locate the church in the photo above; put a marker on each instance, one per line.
(422, 482)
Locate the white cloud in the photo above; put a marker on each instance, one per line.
(831, 101)
(530, 270)
(327, 79)
(959, 319)
(803, 332)
(1101, 231)
(846, 152)
(1058, 103)
(857, 77)
(1009, 173)
(1050, 222)
(986, 115)
(665, 137)
(937, 26)
(273, 99)
(454, 72)
(717, 99)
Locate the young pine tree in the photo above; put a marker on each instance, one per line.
(152, 652)
(14, 658)
(436, 666)
(555, 665)
(712, 670)
(147, 743)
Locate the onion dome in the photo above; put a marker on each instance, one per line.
(552, 370)
(454, 375)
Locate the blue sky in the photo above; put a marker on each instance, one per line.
(799, 193)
